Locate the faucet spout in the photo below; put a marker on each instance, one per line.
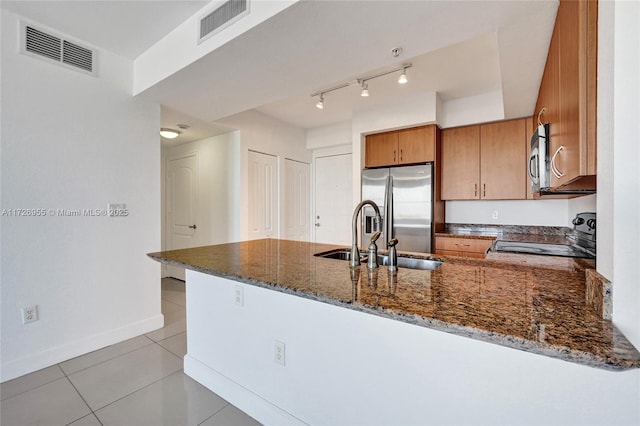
(354, 262)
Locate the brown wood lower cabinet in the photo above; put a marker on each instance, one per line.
(466, 247)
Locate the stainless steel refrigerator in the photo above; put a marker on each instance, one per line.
(405, 198)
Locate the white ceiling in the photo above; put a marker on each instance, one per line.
(457, 48)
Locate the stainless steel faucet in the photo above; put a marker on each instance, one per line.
(354, 262)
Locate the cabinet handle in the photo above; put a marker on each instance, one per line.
(556, 172)
(463, 245)
(484, 190)
(475, 189)
(400, 155)
(394, 155)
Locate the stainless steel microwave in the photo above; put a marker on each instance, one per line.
(539, 159)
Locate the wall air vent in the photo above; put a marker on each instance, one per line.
(223, 16)
(38, 43)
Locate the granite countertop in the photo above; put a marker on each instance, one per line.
(535, 309)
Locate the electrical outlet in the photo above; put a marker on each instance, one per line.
(238, 296)
(279, 353)
(494, 215)
(29, 314)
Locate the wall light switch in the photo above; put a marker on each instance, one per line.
(494, 215)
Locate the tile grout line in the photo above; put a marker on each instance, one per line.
(127, 395)
(109, 359)
(217, 412)
(83, 400)
(137, 390)
(40, 385)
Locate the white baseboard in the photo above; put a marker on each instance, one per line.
(50, 356)
(252, 404)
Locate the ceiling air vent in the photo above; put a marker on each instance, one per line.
(225, 15)
(38, 43)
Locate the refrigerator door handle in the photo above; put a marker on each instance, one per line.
(388, 206)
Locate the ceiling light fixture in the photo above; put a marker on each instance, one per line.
(363, 84)
(169, 133)
(320, 103)
(403, 76)
(365, 89)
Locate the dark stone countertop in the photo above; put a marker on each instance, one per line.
(530, 308)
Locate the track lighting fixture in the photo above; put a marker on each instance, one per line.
(364, 92)
(365, 89)
(403, 76)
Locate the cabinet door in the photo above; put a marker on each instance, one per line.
(549, 90)
(502, 171)
(565, 147)
(416, 145)
(460, 163)
(568, 93)
(469, 247)
(381, 149)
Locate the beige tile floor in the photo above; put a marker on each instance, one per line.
(136, 382)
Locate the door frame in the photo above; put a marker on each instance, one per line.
(165, 203)
(321, 153)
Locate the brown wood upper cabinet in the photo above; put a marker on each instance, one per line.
(485, 161)
(408, 146)
(568, 95)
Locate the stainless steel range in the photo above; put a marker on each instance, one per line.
(582, 243)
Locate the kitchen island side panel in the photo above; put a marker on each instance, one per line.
(347, 367)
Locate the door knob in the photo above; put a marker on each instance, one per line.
(192, 226)
(317, 224)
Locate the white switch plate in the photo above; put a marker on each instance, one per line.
(494, 215)
(279, 352)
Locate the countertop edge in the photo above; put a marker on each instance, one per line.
(558, 352)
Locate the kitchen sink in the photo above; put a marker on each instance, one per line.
(411, 262)
(383, 260)
(341, 254)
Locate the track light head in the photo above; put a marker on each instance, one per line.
(403, 77)
(320, 103)
(365, 89)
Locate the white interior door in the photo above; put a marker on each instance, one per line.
(333, 199)
(297, 210)
(182, 206)
(263, 195)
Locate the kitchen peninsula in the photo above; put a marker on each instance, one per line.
(349, 340)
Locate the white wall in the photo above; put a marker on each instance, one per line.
(329, 136)
(218, 188)
(410, 374)
(618, 172)
(73, 141)
(181, 45)
(259, 132)
(471, 110)
(519, 212)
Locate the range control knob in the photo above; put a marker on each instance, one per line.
(591, 223)
(578, 221)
